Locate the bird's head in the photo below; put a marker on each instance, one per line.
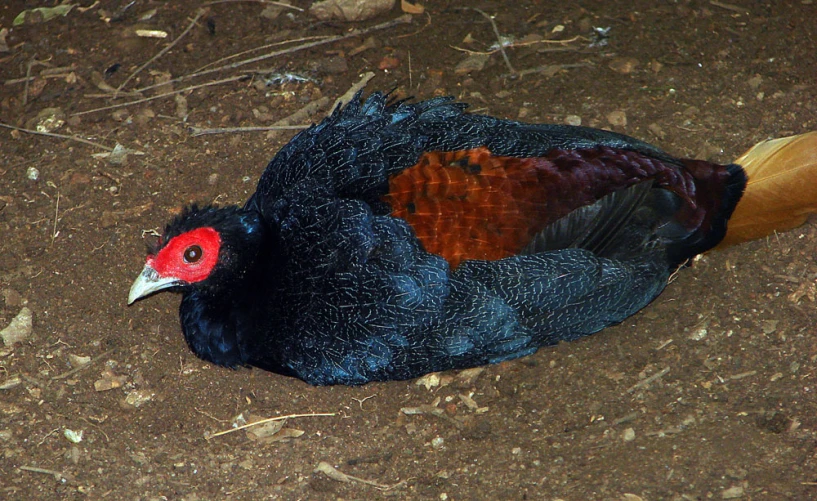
(202, 248)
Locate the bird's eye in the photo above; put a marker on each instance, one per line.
(192, 254)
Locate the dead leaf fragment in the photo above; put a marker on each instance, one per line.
(618, 118)
(109, 381)
(47, 120)
(624, 65)
(474, 62)
(332, 472)
(272, 431)
(78, 361)
(350, 10)
(181, 106)
(19, 329)
(411, 8)
(36, 87)
(469, 376)
(429, 381)
(139, 398)
(769, 326)
(10, 383)
(8, 408)
(265, 430)
(42, 14)
(73, 436)
(807, 289)
(468, 401)
(732, 492)
(388, 63)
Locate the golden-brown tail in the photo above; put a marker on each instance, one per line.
(782, 189)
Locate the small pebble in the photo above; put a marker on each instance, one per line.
(431, 380)
(624, 65)
(73, 436)
(78, 360)
(138, 398)
(350, 10)
(474, 62)
(732, 492)
(628, 435)
(388, 63)
(10, 383)
(618, 118)
(657, 130)
(12, 298)
(573, 120)
(699, 334)
(33, 173)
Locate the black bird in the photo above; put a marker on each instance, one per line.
(393, 240)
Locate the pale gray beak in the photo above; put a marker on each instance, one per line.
(149, 282)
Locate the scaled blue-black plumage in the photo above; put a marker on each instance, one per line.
(320, 282)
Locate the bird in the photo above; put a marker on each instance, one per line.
(397, 238)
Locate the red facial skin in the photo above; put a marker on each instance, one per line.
(189, 257)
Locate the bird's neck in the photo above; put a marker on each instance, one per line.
(225, 314)
(211, 328)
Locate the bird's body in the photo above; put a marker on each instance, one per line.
(390, 241)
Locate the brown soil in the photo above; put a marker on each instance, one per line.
(732, 412)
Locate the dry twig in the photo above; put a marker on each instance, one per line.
(166, 94)
(264, 2)
(299, 116)
(268, 420)
(394, 22)
(199, 131)
(352, 91)
(355, 33)
(57, 475)
(549, 69)
(60, 136)
(239, 54)
(302, 115)
(82, 367)
(649, 380)
(729, 6)
(337, 475)
(498, 40)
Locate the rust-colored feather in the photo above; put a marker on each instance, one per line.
(782, 189)
(470, 204)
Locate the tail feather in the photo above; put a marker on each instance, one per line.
(782, 188)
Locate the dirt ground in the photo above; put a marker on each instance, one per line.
(709, 393)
